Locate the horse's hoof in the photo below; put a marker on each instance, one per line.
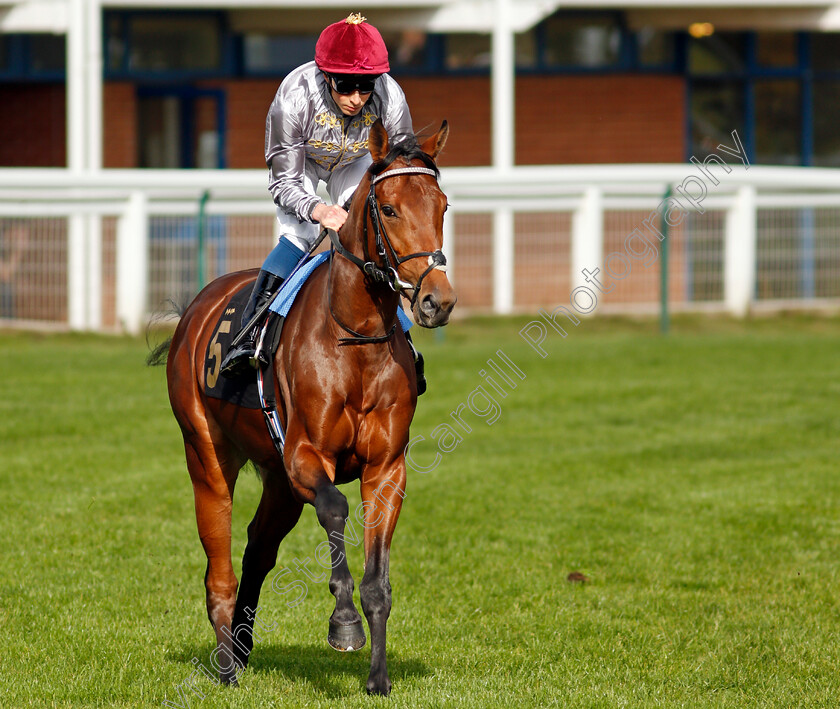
(382, 689)
(346, 638)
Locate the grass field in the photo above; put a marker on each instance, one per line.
(693, 479)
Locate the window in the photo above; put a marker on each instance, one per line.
(468, 50)
(582, 40)
(526, 49)
(717, 108)
(407, 49)
(161, 43)
(180, 128)
(47, 53)
(4, 54)
(115, 42)
(277, 53)
(777, 50)
(825, 51)
(655, 47)
(39, 57)
(720, 53)
(778, 125)
(826, 135)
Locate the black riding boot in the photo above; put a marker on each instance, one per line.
(244, 355)
(418, 366)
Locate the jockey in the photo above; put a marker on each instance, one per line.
(317, 129)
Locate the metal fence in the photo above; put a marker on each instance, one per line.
(107, 251)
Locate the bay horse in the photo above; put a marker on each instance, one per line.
(346, 390)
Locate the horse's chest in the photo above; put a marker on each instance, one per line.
(366, 440)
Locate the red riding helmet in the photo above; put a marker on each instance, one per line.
(351, 46)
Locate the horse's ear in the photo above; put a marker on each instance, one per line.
(378, 141)
(433, 145)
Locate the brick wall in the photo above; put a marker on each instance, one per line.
(602, 119)
(465, 103)
(32, 125)
(247, 106)
(566, 120)
(119, 120)
(560, 119)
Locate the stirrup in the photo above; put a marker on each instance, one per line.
(237, 362)
(262, 354)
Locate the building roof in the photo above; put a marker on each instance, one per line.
(448, 15)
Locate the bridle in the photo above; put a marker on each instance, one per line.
(386, 274)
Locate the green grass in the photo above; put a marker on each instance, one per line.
(692, 478)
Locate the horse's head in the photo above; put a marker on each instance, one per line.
(405, 220)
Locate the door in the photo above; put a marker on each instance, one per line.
(181, 127)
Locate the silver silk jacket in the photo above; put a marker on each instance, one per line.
(306, 133)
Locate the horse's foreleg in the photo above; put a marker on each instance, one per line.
(382, 496)
(346, 631)
(277, 514)
(213, 505)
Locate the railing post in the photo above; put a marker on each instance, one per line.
(76, 271)
(202, 240)
(740, 252)
(449, 245)
(664, 319)
(133, 263)
(587, 236)
(503, 260)
(93, 247)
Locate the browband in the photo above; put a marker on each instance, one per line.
(404, 171)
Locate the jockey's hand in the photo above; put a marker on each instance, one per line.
(330, 216)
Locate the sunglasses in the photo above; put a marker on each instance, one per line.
(350, 83)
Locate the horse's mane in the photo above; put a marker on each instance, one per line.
(406, 146)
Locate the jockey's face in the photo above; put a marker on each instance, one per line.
(350, 104)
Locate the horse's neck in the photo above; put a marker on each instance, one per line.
(369, 311)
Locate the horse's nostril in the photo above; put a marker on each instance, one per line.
(430, 304)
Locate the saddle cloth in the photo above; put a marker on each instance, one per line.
(242, 390)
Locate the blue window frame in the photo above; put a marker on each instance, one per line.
(780, 91)
(172, 134)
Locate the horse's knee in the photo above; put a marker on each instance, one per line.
(331, 507)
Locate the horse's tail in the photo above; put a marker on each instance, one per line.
(158, 353)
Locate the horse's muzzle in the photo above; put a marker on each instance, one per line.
(433, 308)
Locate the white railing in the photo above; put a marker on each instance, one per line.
(101, 251)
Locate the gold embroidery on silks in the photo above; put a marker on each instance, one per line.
(324, 145)
(327, 119)
(367, 119)
(355, 146)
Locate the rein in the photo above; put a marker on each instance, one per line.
(388, 274)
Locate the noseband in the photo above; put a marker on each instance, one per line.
(386, 274)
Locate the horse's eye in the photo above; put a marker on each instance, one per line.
(388, 211)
